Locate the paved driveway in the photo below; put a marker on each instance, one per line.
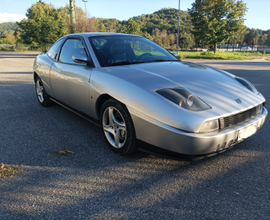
(95, 183)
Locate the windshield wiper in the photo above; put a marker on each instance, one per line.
(121, 63)
(150, 61)
(160, 60)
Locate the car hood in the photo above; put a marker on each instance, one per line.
(135, 85)
(217, 88)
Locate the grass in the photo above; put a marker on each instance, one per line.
(7, 171)
(233, 55)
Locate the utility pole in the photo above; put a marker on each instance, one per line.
(72, 14)
(178, 27)
(85, 7)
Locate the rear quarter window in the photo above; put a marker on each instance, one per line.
(52, 53)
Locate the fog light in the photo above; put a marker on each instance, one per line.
(210, 126)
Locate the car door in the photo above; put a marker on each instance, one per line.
(71, 81)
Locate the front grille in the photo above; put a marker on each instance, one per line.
(239, 118)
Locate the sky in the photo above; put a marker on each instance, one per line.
(257, 16)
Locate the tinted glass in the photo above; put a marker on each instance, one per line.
(52, 53)
(113, 50)
(70, 48)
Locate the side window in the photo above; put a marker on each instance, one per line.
(70, 48)
(53, 50)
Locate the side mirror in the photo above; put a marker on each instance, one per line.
(175, 54)
(79, 59)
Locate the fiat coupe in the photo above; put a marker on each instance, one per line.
(144, 98)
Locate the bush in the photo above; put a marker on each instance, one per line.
(6, 47)
(19, 47)
(5, 41)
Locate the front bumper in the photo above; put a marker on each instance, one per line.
(171, 139)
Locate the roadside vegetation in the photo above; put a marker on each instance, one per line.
(231, 55)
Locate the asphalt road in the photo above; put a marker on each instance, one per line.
(95, 183)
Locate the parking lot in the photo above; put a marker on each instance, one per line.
(95, 183)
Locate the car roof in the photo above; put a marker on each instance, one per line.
(89, 34)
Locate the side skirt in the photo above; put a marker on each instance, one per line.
(88, 118)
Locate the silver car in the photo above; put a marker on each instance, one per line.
(144, 98)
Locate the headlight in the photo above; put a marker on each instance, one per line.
(183, 98)
(210, 126)
(248, 85)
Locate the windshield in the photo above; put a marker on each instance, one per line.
(123, 50)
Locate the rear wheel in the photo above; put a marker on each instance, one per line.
(42, 96)
(117, 127)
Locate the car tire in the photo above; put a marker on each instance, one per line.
(42, 96)
(117, 127)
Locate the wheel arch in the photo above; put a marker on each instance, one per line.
(102, 99)
(35, 76)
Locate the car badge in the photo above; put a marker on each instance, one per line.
(238, 101)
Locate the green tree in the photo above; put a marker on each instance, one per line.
(7, 37)
(111, 25)
(45, 24)
(100, 26)
(8, 26)
(262, 39)
(147, 35)
(252, 36)
(185, 41)
(267, 41)
(238, 38)
(215, 21)
(132, 27)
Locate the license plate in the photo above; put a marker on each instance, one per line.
(247, 131)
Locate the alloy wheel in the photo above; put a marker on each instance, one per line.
(114, 127)
(40, 89)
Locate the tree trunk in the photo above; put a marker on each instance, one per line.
(215, 49)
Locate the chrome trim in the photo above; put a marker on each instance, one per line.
(79, 59)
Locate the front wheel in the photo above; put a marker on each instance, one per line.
(117, 127)
(42, 96)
